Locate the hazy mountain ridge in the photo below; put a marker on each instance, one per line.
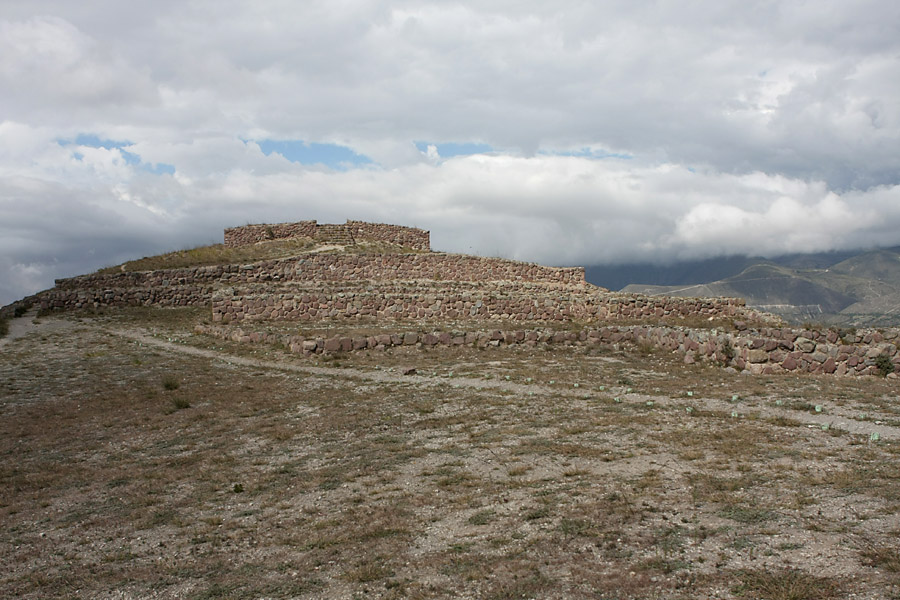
(861, 289)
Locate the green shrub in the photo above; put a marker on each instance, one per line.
(728, 351)
(884, 365)
(170, 383)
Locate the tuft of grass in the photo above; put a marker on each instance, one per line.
(4, 327)
(170, 383)
(787, 584)
(482, 517)
(886, 558)
(748, 515)
(180, 403)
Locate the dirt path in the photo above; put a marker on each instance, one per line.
(835, 417)
(29, 323)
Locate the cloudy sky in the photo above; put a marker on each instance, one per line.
(564, 132)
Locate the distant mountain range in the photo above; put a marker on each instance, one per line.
(840, 288)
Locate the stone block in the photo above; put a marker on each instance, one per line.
(804, 345)
(757, 356)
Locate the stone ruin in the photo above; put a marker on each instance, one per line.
(462, 299)
(349, 233)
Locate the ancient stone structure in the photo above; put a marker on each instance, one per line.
(459, 294)
(760, 351)
(409, 284)
(350, 233)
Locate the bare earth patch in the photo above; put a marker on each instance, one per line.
(141, 461)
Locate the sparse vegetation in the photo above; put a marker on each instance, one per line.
(788, 584)
(180, 403)
(4, 327)
(884, 365)
(728, 351)
(478, 478)
(170, 383)
(219, 254)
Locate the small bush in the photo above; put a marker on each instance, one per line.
(4, 327)
(180, 403)
(170, 383)
(884, 365)
(728, 351)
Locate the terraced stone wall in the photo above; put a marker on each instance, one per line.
(341, 267)
(451, 300)
(763, 351)
(251, 234)
(410, 237)
(634, 306)
(399, 300)
(381, 286)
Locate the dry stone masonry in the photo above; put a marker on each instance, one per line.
(350, 233)
(759, 351)
(459, 291)
(413, 285)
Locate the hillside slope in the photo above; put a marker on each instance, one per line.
(860, 290)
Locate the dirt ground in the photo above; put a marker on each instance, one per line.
(139, 460)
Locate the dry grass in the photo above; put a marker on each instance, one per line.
(788, 584)
(247, 480)
(219, 254)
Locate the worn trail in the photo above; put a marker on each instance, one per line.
(835, 418)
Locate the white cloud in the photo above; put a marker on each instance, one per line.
(750, 126)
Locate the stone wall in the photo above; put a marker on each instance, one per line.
(386, 286)
(431, 266)
(764, 351)
(251, 234)
(399, 300)
(341, 267)
(618, 306)
(451, 301)
(410, 237)
(173, 295)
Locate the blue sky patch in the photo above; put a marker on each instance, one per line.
(94, 141)
(159, 168)
(451, 149)
(298, 151)
(587, 153)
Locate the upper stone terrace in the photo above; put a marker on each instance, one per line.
(349, 233)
